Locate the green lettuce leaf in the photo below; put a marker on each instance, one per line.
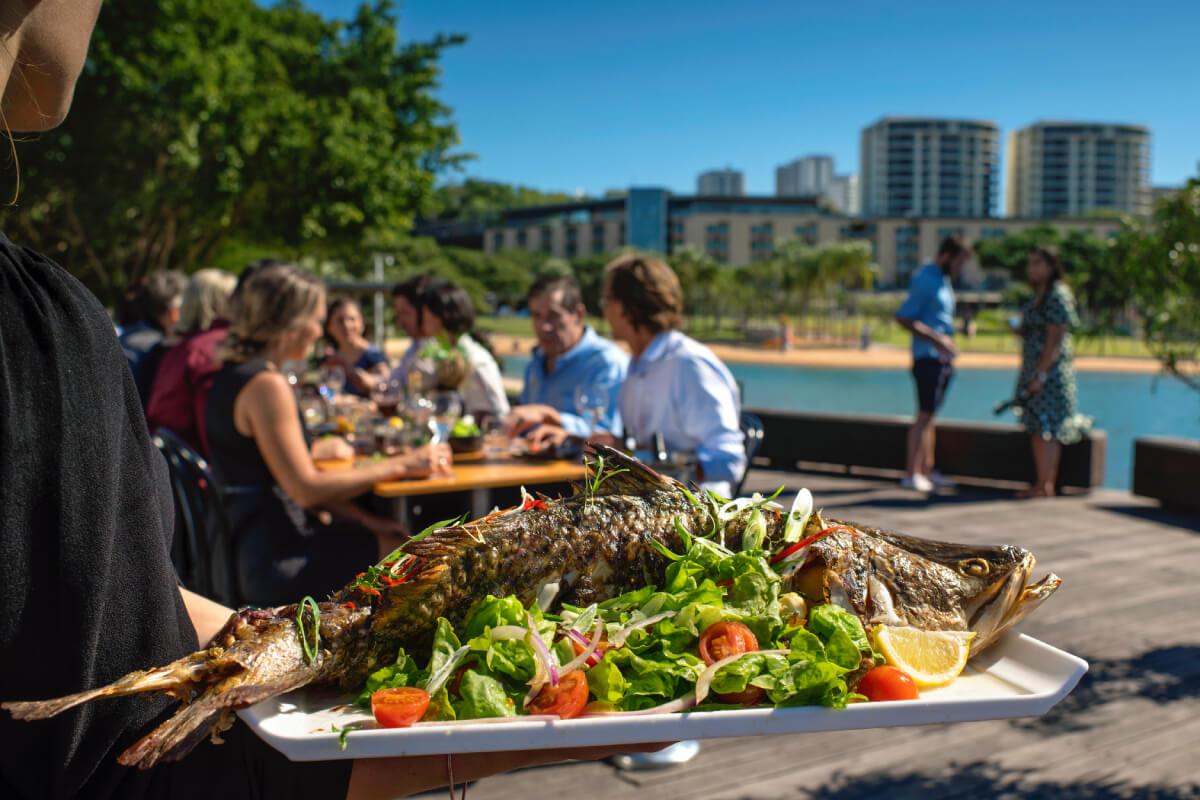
(483, 696)
(494, 612)
(404, 672)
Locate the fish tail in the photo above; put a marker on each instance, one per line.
(175, 738)
(209, 714)
(176, 678)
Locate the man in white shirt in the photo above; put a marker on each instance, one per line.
(675, 385)
(406, 300)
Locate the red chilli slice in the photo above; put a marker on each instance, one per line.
(800, 545)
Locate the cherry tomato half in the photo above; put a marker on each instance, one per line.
(567, 700)
(724, 639)
(887, 683)
(399, 708)
(749, 696)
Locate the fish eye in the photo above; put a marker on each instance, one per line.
(974, 567)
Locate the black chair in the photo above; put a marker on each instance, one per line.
(752, 430)
(205, 554)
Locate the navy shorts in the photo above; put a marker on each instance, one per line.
(933, 379)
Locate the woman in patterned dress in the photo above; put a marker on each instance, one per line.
(1047, 381)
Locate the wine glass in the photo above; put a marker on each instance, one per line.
(447, 410)
(333, 381)
(591, 403)
(388, 395)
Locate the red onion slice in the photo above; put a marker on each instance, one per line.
(589, 648)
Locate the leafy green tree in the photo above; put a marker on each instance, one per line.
(1094, 274)
(1160, 263)
(201, 121)
(479, 200)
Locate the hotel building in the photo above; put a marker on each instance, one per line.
(929, 167)
(743, 230)
(1062, 169)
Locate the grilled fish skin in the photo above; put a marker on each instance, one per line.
(596, 544)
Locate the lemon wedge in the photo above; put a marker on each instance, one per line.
(931, 658)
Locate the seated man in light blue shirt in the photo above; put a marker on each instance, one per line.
(676, 386)
(574, 375)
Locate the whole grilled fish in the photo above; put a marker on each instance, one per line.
(593, 545)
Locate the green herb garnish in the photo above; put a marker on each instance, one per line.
(310, 649)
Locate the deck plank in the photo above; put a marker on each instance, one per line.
(1128, 604)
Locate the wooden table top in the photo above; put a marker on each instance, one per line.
(467, 475)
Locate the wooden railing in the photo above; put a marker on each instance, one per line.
(975, 451)
(1168, 470)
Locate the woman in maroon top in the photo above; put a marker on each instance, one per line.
(180, 392)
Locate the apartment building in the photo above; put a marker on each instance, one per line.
(1063, 169)
(929, 167)
(723, 182)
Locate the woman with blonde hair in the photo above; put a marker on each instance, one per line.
(275, 495)
(179, 394)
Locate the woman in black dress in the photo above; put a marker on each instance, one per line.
(296, 530)
(87, 591)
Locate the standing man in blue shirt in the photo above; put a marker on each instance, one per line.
(569, 357)
(928, 313)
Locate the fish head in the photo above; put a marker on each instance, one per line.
(940, 585)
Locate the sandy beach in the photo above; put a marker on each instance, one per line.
(877, 357)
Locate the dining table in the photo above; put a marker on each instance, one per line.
(473, 475)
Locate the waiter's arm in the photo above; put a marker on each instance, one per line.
(207, 616)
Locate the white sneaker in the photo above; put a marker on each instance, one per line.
(678, 753)
(918, 483)
(941, 481)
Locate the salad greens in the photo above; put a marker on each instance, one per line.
(650, 651)
(464, 427)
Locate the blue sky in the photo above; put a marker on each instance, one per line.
(588, 96)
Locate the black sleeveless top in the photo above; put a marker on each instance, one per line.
(239, 463)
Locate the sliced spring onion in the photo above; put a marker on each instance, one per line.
(802, 508)
(618, 638)
(706, 678)
(311, 649)
(756, 531)
(546, 595)
(438, 679)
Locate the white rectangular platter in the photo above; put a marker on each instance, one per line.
(1017, 677)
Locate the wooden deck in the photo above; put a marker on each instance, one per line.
(1131, 729)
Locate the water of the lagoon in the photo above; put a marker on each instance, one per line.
(1125, 405)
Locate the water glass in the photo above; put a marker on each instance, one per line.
(496, 443)
(447, 410)
(591, 403)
